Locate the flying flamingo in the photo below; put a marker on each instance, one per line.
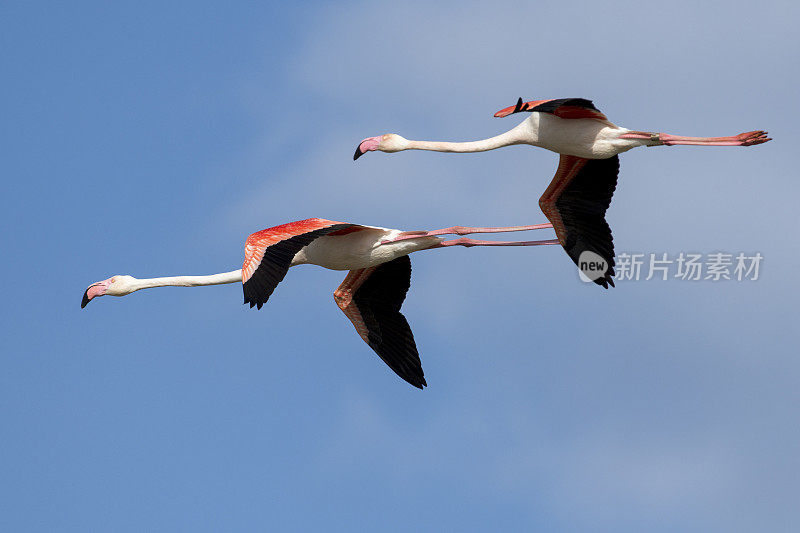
(371, 293)
(579, 195)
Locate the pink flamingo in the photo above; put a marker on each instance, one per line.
(371, 293)
(579, 195)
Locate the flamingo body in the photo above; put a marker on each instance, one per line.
(360, 249)
(588, 138)
(335, 245)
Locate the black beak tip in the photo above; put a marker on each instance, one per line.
(358, 153)
(85, 300)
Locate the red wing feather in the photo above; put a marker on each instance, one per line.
(259, 241)
(519, 106)
(269, 254)
(568, 111)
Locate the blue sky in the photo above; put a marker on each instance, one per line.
(150, 140)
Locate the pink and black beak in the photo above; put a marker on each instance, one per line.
(94, 290)
(367, 145)
(85, 300)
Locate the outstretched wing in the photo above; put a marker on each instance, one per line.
(269, 253)
(371, 298)
(562, 107)
(576, 202)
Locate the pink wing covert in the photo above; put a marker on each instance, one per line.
(268, 254)
(562, 107)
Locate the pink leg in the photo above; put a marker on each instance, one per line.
(464, 230)
(749, 138)
(465, 241)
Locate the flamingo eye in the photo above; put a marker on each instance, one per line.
(112, 280)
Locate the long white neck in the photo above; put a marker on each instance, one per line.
(189, 281)
(511, 137)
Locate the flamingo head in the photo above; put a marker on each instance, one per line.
(113, 286)
(389, 142)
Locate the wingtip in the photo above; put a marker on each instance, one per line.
(605, 281)
(516, 108)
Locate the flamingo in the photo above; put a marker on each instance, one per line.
(588, 144)
(370, 295)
